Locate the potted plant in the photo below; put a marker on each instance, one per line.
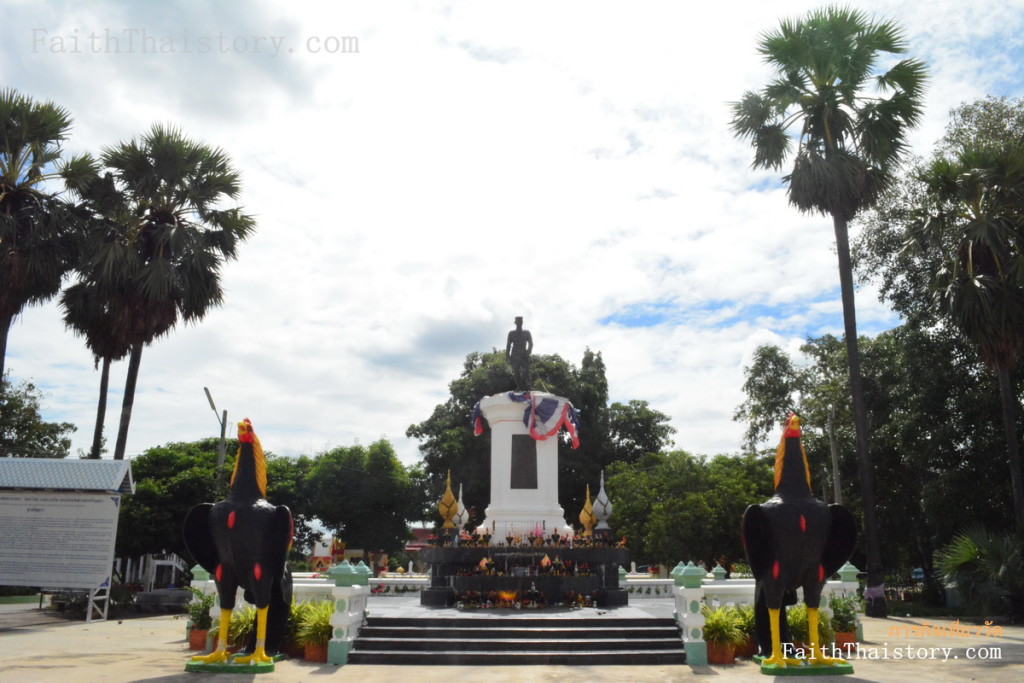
(745, 617)
(298, 615)
(315, 630)
(722, 634)
(844, 619)
(199, 618)
(242, 623)
(799, 630)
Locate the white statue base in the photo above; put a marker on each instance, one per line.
(524, 470)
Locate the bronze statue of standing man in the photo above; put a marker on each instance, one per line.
(517, 353)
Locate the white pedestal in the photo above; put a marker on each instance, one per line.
(524, 474)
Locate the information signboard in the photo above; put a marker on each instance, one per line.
(57, 539)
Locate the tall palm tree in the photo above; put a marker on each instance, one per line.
(848, 142)
(979, 224)
(157, 252)
(36, 230)
(90, 305)
(89, 314)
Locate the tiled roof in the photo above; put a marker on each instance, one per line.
(67, 475)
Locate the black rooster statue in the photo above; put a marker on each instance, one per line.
(793, 540)
(243, 541)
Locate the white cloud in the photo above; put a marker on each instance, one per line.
(567, 162)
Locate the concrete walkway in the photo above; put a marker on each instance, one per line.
(38, 647)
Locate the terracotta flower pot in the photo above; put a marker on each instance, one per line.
(747, 649)
(197, 639)
(846, 640)
(316, 653)
(292, 650)
(721, 653)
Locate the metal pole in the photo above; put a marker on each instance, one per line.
(222, 447)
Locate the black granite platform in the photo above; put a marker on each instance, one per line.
(453, 571)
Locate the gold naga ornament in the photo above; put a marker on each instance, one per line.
(448, 506)
(587, 518)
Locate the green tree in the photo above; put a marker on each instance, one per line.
(288, 483)
(635, 430)
(169, 481)
(944, 246)
(934, 427)
(156, 249)
(982, 123)
(848, 143)
(90, 316)
(676, 506)
(23, 433)
(90, 309)
(37, 231)
(772, 385)
(365, 496)
(980, 287)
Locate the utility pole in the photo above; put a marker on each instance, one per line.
(222, 448)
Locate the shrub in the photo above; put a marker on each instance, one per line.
(199, 609)
(241, 625)
(987, 569)
(722, 626)
(745, 619)
(315, 627)
(796, 618)
(844, 613)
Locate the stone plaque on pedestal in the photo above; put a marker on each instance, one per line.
(524, 462)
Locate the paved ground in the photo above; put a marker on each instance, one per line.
(37, 647)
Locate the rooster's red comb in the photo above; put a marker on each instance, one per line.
(245, 432)
(792, 426)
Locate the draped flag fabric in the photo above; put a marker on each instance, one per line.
(477, 420)
(543, 416)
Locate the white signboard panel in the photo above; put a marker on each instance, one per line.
(59, 540)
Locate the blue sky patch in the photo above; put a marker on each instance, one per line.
(649, 314)
(723, 313)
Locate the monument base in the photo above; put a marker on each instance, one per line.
(617, 597)
(595, 572)
(503, 523)
(437, 597)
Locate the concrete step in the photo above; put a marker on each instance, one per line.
(489, 639)
(507, 658)
(516, 643)
(553, 632)
(486, 620)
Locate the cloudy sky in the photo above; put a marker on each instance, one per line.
(421, 173)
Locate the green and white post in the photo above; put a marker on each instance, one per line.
(349, 593)
(688, 593)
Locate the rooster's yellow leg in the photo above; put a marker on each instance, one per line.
(259, 655)
(221, 653)
(815, 635)
(777, 659)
